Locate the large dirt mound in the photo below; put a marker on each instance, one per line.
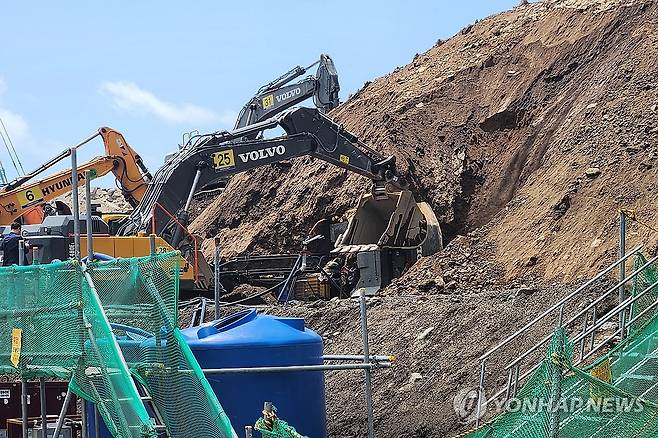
(498, 124)
(526, 132)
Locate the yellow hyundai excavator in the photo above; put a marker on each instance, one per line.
(24, 199)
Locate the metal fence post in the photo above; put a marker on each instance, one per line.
(21, 252)
(44, 411)
(24, 406)
(556, 390)
(218, 285)
(88, 219)
(152, 249)
(366, 360)
(478, 412)
(75, 206)
(622, 266)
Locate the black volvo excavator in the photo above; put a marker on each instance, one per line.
(279, 95)
(389, 228)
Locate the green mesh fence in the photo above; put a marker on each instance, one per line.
(614, 397)
(52, 325)
(642, 281)
(139, 296)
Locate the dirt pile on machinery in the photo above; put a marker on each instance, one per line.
(525, 133)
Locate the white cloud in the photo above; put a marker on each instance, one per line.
(15, 123)
(130, 97)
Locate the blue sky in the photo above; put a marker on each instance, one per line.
(155, 69)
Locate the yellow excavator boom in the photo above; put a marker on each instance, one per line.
(24, 197)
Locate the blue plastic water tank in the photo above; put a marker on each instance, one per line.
(247, 339)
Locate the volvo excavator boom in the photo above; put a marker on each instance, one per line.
(281, 94)
(214, 156)
(388, 230)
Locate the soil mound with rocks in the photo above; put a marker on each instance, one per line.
(526, 132)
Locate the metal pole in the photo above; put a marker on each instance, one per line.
(218, 285)
(366, 361)
(21, 252)
(556, 391)
(152, 248)
(483, 366)
(297, 368)
(622, 266)
(83, 415)
(44, 411)
(90, 230)
(62, 414)
(195, 182)
(591, 341)
(97, 422)
(75, 206)
(359, 357)
(508, 389)
(24, 406)
(582, 341)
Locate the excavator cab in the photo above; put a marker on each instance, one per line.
(388, 235)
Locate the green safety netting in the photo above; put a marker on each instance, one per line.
(106, 328)
(616, 396)
(52, 325)
(139, 296)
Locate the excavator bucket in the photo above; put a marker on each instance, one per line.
(395, 222)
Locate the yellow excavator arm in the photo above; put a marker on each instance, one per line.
(23, 197)
(130, 171)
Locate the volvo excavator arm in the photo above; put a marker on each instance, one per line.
(280, 94)
(218, 155)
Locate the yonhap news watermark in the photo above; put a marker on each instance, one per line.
(472, 404)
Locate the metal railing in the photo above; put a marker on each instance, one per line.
(582, 328)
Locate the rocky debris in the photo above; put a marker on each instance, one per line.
(414, 377)
(110, 199)
(414, 398)
(425, 333)
(592, 172)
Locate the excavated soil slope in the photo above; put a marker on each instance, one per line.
(498, 124)
(526, 132)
